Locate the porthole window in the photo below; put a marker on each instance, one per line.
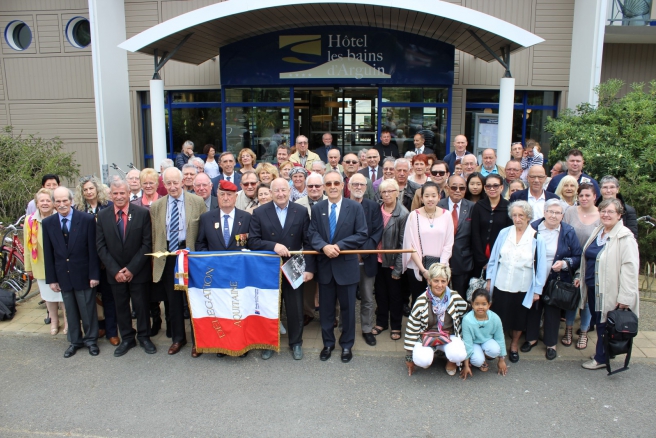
(18, 35)
(78, 32)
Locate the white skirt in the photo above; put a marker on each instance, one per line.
(48, 294)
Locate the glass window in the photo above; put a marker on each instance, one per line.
(257, 95)
(261, 129)
(200, 125)
(535, 121)
(147, 135)
(490, 96)
(78, 32)
(195, 96)
(416, 95)
(542, 98)
(405, 122)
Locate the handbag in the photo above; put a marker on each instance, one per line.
(621, 328)
(426, 260)
(434, 337)
(562, 294)
(476, 283)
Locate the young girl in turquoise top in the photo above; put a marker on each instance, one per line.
(482, 334)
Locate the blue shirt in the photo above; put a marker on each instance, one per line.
(282, 214)
(484, 171)
(591, 254)
(69, 218)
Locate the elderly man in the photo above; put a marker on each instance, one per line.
(227, 164)
(165, 164)
(420, 147)
(535, 194)
(282, 154)
(48, 181)
(373, 171)
(319, 167)
(350, 164)
(282, 226)
(175, 226)
(489, 165)
(303, 156)
(459, 152)
(517, 151)
(385, 147)
(134, 183)
(322, 151)
(72, 268)
(124, 237)
(469, 163)
(187, 152)
(575, 163)
(337, 224)
(407, 188)
(462, 259)
(334, 158)
(198, 163)
(513, 171)
(189, 173)
(558, 168)
(368, 262)
(247, 196)
(203, 188)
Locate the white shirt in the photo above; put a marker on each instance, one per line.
(373, 169)
(419, 150)
(231, 220)
(182, 229)
(537, 204)
(231, 176)
(515, 271)
(134, 196)
(339, 207)
(451, 204)
(550, 238)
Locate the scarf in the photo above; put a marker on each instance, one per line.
(33, 237)
(296, 195)
(439, 305)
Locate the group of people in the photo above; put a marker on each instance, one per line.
(454, 224)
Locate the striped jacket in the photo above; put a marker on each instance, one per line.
(421, 312)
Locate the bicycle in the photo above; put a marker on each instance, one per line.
(13, 274)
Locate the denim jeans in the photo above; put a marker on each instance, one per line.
(489, 348)
(586, 316)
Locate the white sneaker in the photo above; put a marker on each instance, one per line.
(283, 331)
(593, 365)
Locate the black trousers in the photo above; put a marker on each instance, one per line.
(81, 305)
(294, 306)
(176, 299)
(460, 283)
(416, 287)
(389, 303)
(533, 319)
(345, 294)
(139, 294)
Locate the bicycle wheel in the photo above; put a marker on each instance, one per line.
(15, 278)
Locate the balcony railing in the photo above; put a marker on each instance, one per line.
(631, 13)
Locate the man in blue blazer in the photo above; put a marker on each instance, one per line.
(322, 151)
(282, 226)
(535, 194)
(224, 229)
(337, 224)
(72, 268)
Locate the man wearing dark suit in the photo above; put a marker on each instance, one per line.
(350, 164)
(462, 258)
(217, 228)
(322, 151)
(368, 262)
(123, 238)
(72, 268)
(458, 152)
(227, 165)
(282, 226)
(337, 224)
(535, 194)
(373, 171)
(420, 148)
(203, 188)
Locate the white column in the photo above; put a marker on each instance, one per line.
(587, 50)
(506, 106)
(157, 121)
(111, 84)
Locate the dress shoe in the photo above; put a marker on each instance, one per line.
(325, 353)
(527, 346)
(176, 347)
(101, 333)
(307, 319)
(297, 352)
(593, 365)
(124, 348)
(347, 355)
(156, 327)
(513, 356)
(369, 338)
(406, 310)
(266, 354)
(114, 340)
(70, 351)
(551, 353)
(94, 350)
(148, 346)
(194, 353)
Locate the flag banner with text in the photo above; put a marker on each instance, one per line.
(234, 300)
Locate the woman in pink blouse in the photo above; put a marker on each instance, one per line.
(429, 231)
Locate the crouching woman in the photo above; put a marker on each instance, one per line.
(440, 310)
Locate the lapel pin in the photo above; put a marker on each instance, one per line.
(129, 217)
(216, 225)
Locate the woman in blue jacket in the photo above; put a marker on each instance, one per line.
(563, 259)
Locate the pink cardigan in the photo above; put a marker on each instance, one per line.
(436, 241)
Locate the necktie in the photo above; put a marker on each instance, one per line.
(454, 215)
(373, 174)
(173, 227)
(333, 221)
(347, 192)
(119, 224)
(65, 230)
(226, 230)
(228, 178)
(134, 198)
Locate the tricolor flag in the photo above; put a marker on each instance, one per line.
(234, 300)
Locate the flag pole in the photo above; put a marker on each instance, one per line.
(346, 251)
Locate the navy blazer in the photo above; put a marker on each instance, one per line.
(75, 265)
(265, 231)
(568, 248)
(322, 151)
(374, 219)
(235, 179)
(210, 235)
(350, 233)
(522, 195)
(366, 172)
(462, 256)
(450, 160)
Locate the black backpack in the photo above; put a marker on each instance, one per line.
(7, 304)
(621, 328)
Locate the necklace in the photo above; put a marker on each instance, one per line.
(431, 217)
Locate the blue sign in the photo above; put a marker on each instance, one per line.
(341, 55)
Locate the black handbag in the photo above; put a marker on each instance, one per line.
(427, 261)
(621, 328)
(561, 294)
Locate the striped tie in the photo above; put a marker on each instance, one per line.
(173, 227)
(333, 221)
(226, 230)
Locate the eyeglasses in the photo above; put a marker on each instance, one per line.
(438, 172)
(356, 184)
(350, 161)
(492, 186)
(248, 184)
(314, 186)
(332, 184)
(607, 212)
(554, 213)
(457, 188)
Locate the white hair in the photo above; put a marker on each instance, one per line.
(166, 163)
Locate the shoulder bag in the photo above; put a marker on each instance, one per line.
(562, 294)
(427, 261)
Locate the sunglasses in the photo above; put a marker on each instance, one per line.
(249, 184)
(332, 184)
(457, 188)
(438, 172)
(350, 162)
(314, 186)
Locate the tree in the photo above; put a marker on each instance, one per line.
(617, 137)
(23, 161)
